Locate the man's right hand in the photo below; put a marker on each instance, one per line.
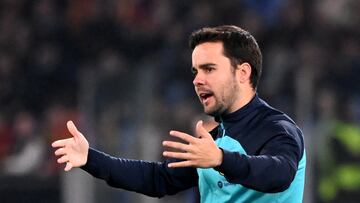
(72, 151)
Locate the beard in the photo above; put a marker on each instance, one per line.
(224, 100)
(216, 109)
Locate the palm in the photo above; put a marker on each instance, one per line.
(200, 152)
(73, 151)
(76, 149)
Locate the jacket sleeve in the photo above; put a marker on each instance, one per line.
(150, 178)
(272, 169)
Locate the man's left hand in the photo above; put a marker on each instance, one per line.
(200, 151)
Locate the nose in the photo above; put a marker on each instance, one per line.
(198, 80)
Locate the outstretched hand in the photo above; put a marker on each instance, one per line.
(200, 151)
(72, 151)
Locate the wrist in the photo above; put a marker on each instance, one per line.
(220, 157)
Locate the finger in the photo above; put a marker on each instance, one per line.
(68, 166)
(177, 145)
(180, 164)
(72, 129)
(60, 151)
(63, 159)
(186, 137)
(59, 143)
(177, 155)
(201, 132)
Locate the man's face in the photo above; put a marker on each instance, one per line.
(215, 80)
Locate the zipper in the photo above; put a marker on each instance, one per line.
(222, 127)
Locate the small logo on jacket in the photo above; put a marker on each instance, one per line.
(224, 184)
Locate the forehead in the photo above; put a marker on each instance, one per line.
(208, 52)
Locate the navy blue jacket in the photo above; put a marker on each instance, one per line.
(263, 160)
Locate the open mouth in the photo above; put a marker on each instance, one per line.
(204, 97)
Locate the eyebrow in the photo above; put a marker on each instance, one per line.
(202, 66)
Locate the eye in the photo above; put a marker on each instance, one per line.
(208, 69)
(194, 71)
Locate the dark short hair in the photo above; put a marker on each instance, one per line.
(239, 46)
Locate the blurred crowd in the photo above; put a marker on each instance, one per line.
(121, 69)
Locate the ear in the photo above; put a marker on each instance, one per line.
(244, 72)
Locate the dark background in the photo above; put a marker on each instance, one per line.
(121, 71)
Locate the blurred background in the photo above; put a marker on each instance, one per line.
(121, 71)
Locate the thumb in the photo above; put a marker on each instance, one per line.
(201, 131)
(72, 129)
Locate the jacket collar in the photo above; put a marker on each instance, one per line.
(237, 115)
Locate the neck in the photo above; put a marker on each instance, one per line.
(244, 98)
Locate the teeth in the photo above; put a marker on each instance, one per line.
(204, 95)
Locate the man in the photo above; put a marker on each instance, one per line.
(255, 154)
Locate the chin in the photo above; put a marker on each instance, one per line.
(208, 112)
(212, 112)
